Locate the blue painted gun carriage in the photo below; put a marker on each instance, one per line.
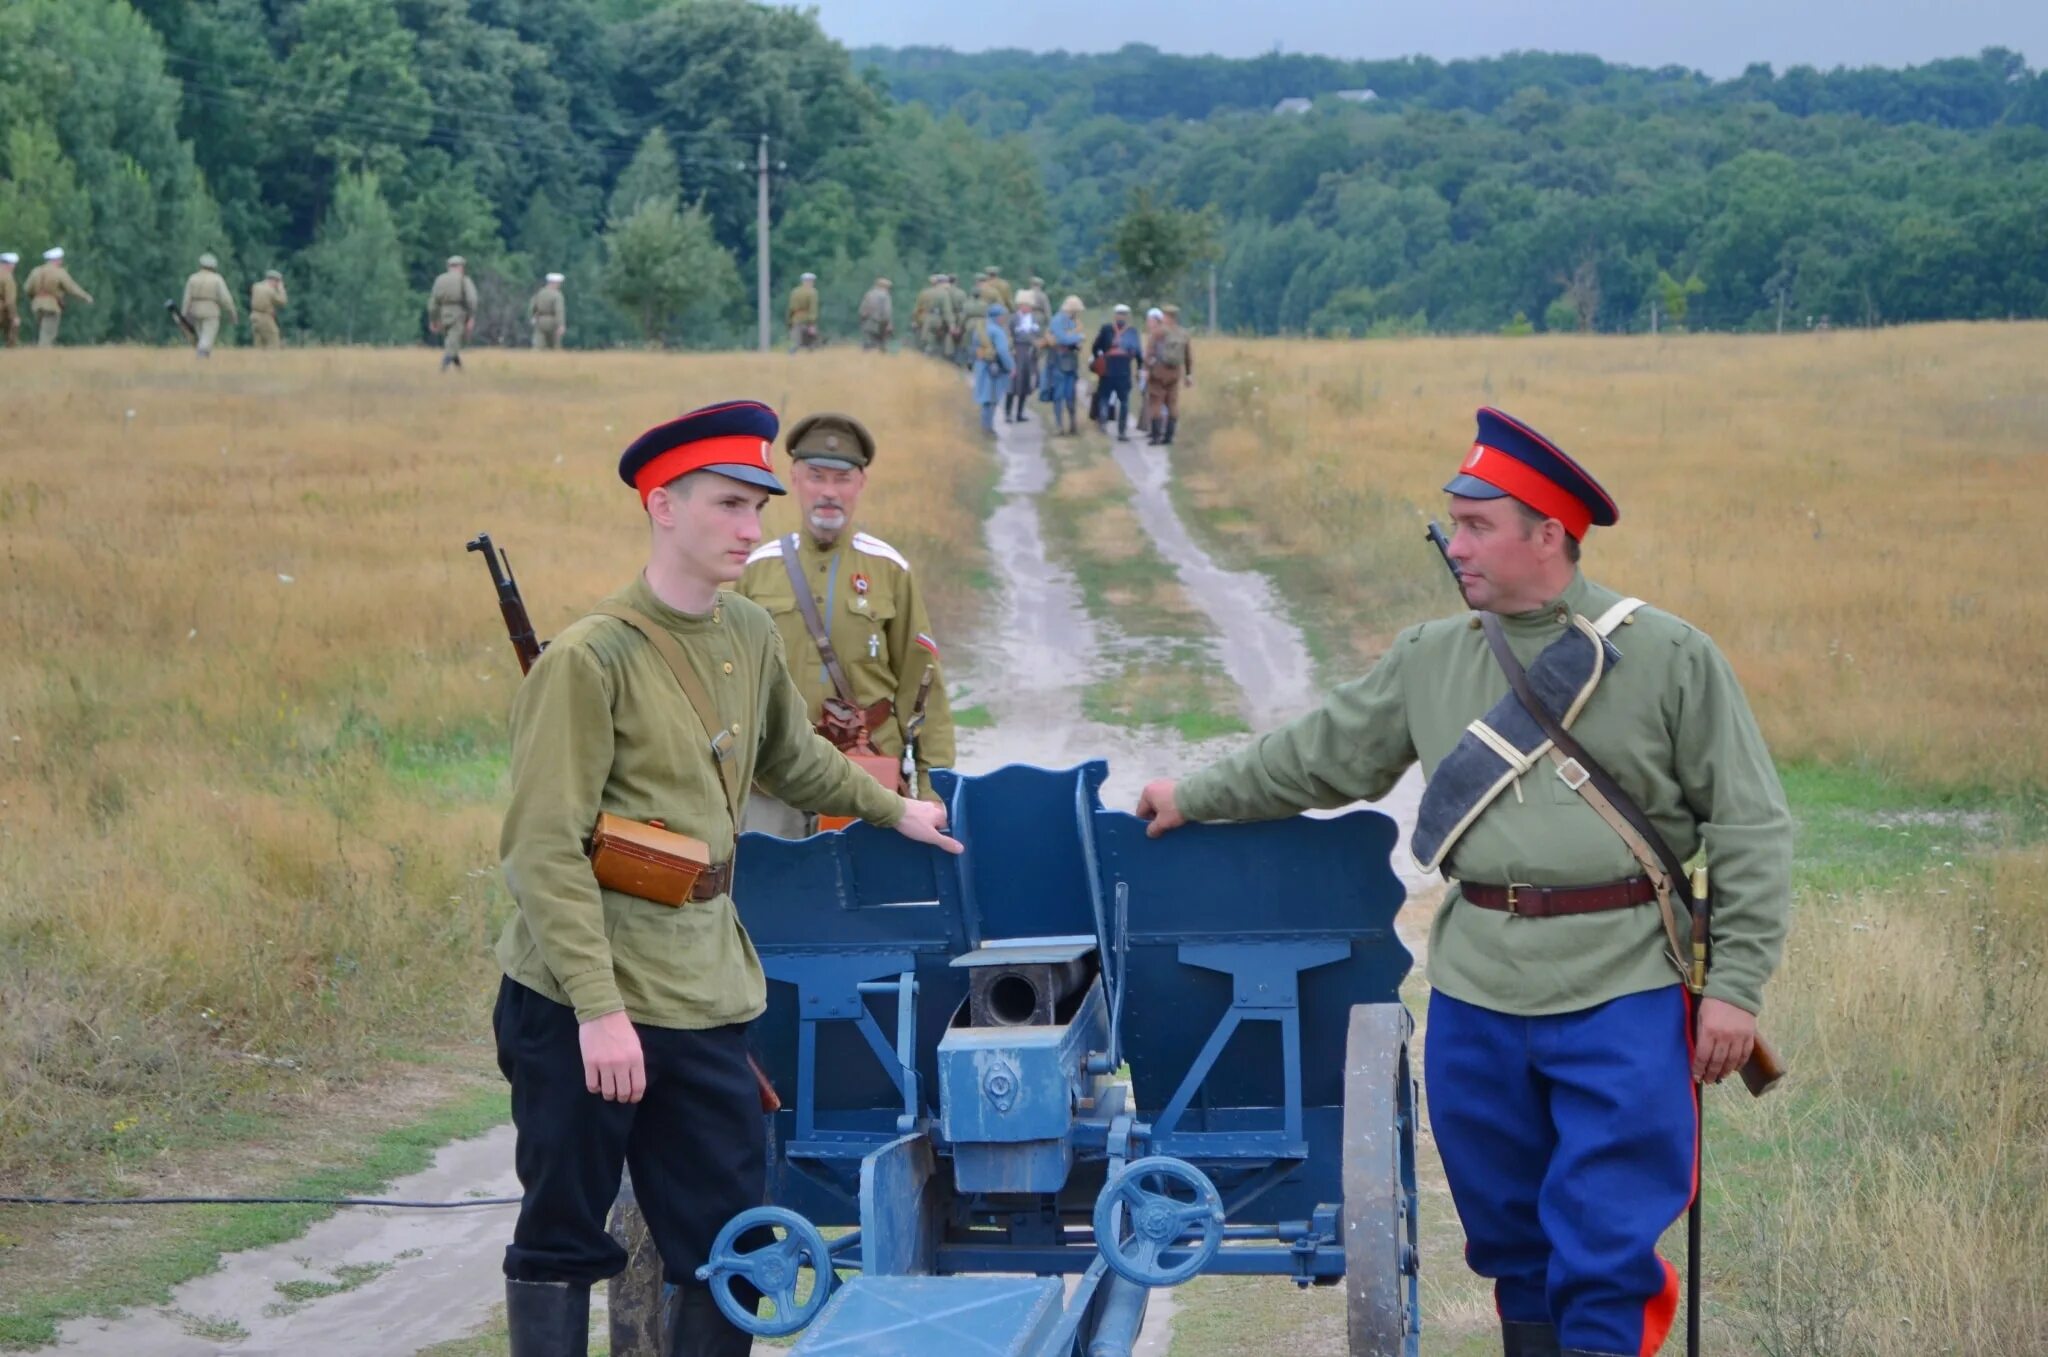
(1026, 1085)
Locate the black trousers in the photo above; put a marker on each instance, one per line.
(697, 1144)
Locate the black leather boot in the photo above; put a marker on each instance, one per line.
(548, 1319)
(1519, 1339)
(698, 1328)
(1172, 423)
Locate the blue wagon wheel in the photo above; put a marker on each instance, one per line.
(1381, 1256)
(1139, 1217)
(774, 1269)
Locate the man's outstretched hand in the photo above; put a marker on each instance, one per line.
(1157, 807)
(925, 822)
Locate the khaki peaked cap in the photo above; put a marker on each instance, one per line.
(839, 442)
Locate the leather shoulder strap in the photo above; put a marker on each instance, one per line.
(821, 636)
(1592, 782)
(717, 734)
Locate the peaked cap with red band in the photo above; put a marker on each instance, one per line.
(733, 438)
(1510, 458)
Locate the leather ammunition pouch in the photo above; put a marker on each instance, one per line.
(651, 862)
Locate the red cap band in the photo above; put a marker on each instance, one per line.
(729, 449)
(1530, 486)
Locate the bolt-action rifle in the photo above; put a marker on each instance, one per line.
(184, 321)
(513, 608)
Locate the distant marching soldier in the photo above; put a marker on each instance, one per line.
(1165, 365)
(10, 299)
(866, 601)
(621, 1020)
(1027, 339)
(802, 313)
(451, 310)
(48, 284)
(959, 319)
(266, 299)
(549, 312)
(1565, 1049)
(877, 316)
(206, 292)
(924, 316)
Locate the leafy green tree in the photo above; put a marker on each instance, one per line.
(1155, 245)
(665, 267)
(1674, 299)
(651, 174)
(356, 290)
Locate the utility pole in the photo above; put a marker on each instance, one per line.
(1212, 299)
(761, 238)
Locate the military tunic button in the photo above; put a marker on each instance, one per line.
(728, 666)
(735, 727)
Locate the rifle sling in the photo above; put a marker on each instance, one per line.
(815, 624)
(1602, 793)
(718, 738)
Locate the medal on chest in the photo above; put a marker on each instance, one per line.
(860, 592)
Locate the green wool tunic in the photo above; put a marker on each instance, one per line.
(602, 725)
(1671, 725)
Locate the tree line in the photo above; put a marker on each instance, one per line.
(1541, 190)
(357, 143)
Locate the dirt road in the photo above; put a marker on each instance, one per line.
(404, 1281)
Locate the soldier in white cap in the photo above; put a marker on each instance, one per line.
(47, 287)
(10, 300)
(206, 292)
(549, 312)
(802, 313)
(451, 310)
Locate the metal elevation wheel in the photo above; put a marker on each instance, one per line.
(773, 1266)
(1381, 1242)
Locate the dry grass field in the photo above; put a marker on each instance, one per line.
(1849, 516)
(252, 693)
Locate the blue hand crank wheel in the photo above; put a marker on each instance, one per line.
(773, 1269)
(1139, 1216)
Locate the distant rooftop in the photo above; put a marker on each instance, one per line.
(1300, 105)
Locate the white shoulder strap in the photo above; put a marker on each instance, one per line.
(1616, 615)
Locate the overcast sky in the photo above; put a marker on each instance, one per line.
(1716, 36)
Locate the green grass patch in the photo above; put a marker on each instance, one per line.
(1861, 830)
(346, 1278)
(1196, 701)
(976, 717)
(194, 1238)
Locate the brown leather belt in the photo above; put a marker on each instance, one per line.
(712, 882)
(1548, 902)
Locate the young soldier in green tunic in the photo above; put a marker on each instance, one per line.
(621, 1021)
(1562, 1048)
(865, 595)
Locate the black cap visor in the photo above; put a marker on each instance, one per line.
(1471, 487)
(750, 475)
